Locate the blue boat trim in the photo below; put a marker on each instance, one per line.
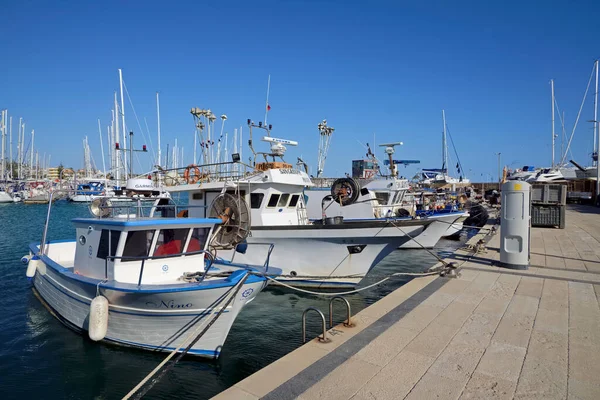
(147, 222)
(110, 310)
(200, 352)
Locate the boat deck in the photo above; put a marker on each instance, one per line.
(491, 333)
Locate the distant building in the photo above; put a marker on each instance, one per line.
(53, 173)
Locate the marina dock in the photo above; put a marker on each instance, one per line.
(490, 333)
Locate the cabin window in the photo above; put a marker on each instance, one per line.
(398, 197)
(170, 241)
(198, 240)
(273, 200)
(256, 199)
(108, 241)
(197, 196)
(294, 200)
(382, 197)
(283, 200)
(137, 244)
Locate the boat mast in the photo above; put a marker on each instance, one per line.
(102, 148)
(19, 151)
(158, 162)
(116, 144)
(10, 159)
(3, 133)
(444, 147)
(31, 164)
(123, 115)
(553, 137)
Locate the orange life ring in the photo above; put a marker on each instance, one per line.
(192, 178)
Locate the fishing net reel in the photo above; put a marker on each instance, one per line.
(235, 216)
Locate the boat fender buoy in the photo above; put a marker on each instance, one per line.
(32, 266)
(25, 259)
(98, 321)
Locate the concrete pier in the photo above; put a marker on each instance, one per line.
(491, 333)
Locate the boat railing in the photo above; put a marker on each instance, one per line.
(202, 173)
(136, 209)
(207, 256)
(269, 251)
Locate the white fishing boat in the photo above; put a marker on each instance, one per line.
(144, 279)
(328, 253)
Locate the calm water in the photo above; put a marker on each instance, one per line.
(40, 357)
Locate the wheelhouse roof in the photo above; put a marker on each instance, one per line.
(147, 222)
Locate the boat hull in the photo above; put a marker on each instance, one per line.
(324, 256)
(5, 197)
(150, 318)
(84, 198)
(433, 233)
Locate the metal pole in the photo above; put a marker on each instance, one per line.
(499, 177)
(130, 154)
(596, 111)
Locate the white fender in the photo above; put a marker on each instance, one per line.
(25, 259)
(98, 321)
(32, 266)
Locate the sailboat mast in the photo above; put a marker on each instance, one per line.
(19, 150)
(158, 130)
(31, 165)
(444, 147)
(3, 134)
(117, 165)
(101, 148)
(123, 114)
(553, 137)
(10, 159)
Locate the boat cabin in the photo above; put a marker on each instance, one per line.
(379, 198)
(275, 196)
(90, 188)
(140, 251)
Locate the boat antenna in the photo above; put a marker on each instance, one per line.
(390, 150)
(267, 106)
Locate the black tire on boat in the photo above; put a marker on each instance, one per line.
(345, 191)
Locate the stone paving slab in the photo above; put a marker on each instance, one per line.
(490, 334)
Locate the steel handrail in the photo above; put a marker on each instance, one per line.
(266, 264)
(347, 323)
(322, 339)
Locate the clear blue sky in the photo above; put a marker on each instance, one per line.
(383, 68)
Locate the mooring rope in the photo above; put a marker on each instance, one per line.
(139, 390)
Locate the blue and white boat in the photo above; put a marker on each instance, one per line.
(147, 282)
(88, 191)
